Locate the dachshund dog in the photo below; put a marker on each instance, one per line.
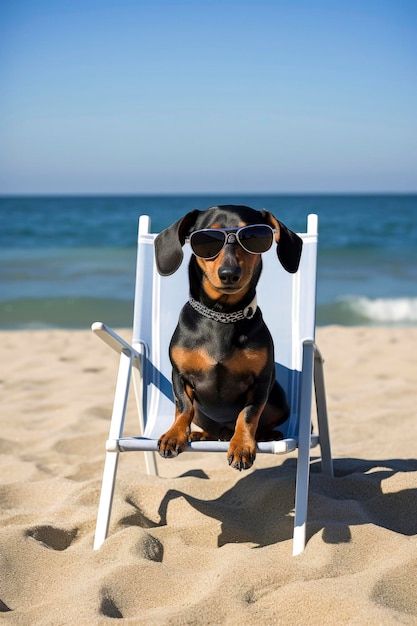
(221, 352)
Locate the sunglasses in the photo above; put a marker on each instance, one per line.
(209, 242)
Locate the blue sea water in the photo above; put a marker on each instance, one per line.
(67, 261)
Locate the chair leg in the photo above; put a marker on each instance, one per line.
(323, 423)
(303, 462)
(150, 457)
(106, 499)
(116, 431)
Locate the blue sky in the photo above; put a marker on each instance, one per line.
(100, 96)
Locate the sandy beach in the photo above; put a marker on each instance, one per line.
(202, 543)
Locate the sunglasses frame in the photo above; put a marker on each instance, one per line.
(227, 232)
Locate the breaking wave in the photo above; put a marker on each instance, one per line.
(355, 310)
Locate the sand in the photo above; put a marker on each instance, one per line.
(203, 543)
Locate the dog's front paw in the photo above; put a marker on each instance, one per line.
(241, 456)
(172, 443)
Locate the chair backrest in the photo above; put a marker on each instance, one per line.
(287, 302)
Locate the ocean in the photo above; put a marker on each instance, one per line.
(68, 261)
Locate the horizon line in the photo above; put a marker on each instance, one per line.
(114, 194)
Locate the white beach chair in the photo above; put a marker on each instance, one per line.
(287, 302)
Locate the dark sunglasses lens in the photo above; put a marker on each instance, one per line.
(256, 239)
(207, 244)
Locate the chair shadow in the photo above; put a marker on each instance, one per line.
(361, 480)
(238, 509)
(259, 508)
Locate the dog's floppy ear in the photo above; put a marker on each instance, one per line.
(168, 244)
(289, 245)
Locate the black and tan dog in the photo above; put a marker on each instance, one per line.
(221, 352)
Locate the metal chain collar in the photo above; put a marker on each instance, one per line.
(226, 318)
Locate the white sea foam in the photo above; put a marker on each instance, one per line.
(383, 310)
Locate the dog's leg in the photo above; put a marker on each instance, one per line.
(254, 423)
(242, 449)
(175, 439)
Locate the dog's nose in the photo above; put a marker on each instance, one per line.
(229, 274)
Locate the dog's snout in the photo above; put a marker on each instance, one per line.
(229, 274)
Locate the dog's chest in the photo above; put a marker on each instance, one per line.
(220, 360)
(203, 361)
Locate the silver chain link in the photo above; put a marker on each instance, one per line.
(225, 318)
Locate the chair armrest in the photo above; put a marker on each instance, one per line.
(109, 336)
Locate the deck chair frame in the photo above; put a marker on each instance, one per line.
(132, 365)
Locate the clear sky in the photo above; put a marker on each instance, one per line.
(135, 96)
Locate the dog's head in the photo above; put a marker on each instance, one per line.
(228, 266)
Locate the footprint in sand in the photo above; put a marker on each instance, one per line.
(149, 547)
(53, 538)
(108, 606)
(4, 608)
(393, 591)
